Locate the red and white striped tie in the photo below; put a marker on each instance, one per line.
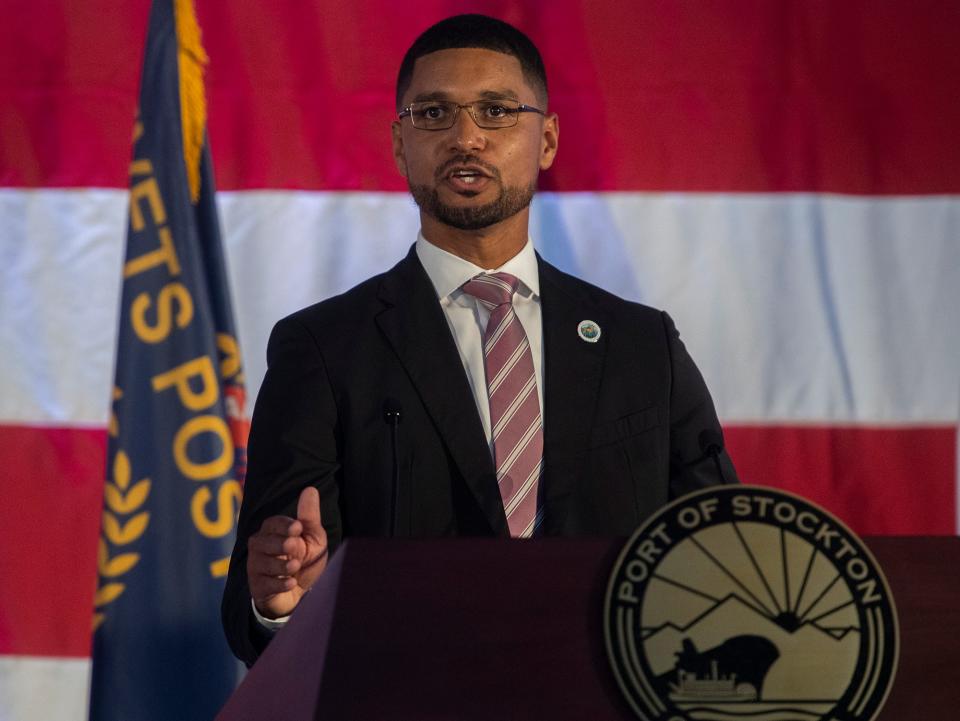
(515, 423)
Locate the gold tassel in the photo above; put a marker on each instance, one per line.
(192, 61)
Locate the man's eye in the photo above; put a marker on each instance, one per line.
(495, 110)
(432, 112)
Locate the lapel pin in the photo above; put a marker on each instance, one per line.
(588, 331)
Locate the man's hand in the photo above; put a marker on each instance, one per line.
(286, 556)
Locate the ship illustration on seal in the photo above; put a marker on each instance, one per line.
(734, 671)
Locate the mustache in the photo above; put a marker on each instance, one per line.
(442, 171)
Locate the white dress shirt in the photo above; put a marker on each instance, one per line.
(467, 318)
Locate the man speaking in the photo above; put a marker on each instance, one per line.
(473, 389)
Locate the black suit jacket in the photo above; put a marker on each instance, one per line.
(622, 422)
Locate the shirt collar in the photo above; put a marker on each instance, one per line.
(448, 272)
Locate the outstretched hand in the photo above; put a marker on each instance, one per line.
(286, 557)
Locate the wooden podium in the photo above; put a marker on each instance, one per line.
(500, 629)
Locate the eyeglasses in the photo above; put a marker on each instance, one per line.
(489, 114)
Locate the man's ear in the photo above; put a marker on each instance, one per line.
(549, 140)
(396, 133)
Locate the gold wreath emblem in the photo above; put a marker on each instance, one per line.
(121, 526)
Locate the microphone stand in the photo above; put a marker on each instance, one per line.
(391, 415)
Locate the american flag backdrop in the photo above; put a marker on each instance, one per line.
(783, 177)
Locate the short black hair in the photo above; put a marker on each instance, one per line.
(475, 31)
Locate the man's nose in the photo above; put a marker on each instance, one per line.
(466, 134)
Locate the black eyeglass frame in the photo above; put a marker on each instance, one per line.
(407, 112)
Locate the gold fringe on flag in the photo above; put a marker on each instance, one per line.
(192, 60)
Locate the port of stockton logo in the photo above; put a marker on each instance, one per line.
(748, 602)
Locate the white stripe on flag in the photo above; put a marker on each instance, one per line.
(35, 688)
(61, 257)
(796, 307)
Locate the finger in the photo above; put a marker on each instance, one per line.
(274, 545)
(280, 526)
(263, 587)
(308, 511)
(263, 565)
(267, 544)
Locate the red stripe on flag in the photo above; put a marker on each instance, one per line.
(851, 97)
(69, 73)
(879, 481)
(49, 523)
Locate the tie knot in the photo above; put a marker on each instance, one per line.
(492, 288)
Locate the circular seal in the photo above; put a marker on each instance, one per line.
(588, 331)
(749, 602)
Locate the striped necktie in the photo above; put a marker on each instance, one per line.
(515, 423)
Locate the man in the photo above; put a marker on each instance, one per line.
(529, 402)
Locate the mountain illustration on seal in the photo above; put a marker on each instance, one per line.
(743, 613)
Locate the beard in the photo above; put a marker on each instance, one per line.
(510, 201)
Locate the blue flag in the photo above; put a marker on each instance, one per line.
(177, 434)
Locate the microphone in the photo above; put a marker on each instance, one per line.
(711, 444)
(391, 416)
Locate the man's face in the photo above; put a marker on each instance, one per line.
(466, 176)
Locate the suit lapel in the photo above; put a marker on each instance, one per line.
(572, 373)
(415, 326)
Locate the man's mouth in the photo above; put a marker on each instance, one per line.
(468, 173)
(467, 178)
